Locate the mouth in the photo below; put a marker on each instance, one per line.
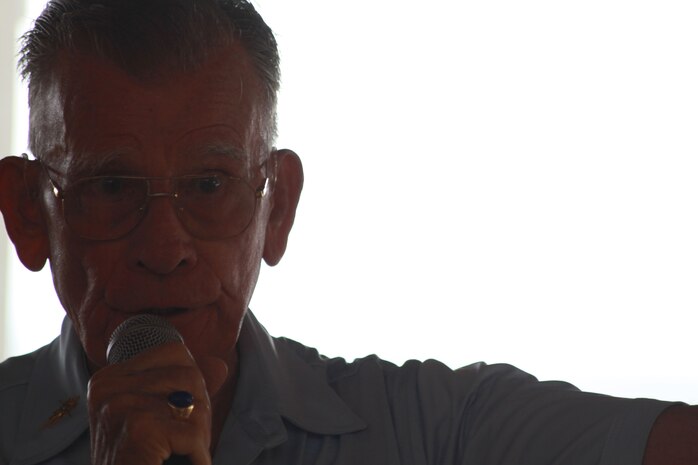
(168, 311)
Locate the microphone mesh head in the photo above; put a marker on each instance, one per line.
(137, 334)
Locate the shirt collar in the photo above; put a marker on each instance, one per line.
(277, 384)
(303, 395)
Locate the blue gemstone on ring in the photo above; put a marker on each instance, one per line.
(180, 399)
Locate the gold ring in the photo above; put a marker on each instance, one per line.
(181, 404)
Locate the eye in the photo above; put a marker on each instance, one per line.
(108, 191)
(102, 187)
(208, 184)
(109, 186)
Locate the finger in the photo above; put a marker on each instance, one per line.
(158, 382)
(132, 426)
(178, 441)
(118, 404)
(198, 455)
(195, 448)
(124, 410)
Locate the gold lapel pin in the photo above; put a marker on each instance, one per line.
(66, 408)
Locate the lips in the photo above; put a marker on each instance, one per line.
(168, 311)
(130, 292)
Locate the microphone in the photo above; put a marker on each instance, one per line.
(137, 334)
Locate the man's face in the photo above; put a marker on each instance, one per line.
(97, 120)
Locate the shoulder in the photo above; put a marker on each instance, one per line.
(15, 372)
(333, 369)
(15, 375)
(423, 400)
(428, 384)
(417, 374)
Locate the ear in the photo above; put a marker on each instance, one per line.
(285, 193)
(21, 209)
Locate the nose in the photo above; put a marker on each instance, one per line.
(161, 244)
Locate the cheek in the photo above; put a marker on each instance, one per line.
(65, 266)
(80, 273)
(237, 267)
(238, 270)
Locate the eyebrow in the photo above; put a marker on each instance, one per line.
(88, 163)
(225, 150)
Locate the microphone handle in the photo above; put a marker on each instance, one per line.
(177, 460)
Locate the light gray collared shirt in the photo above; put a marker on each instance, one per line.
(293, 406)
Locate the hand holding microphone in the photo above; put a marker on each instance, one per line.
(140, 333)
(152, 401)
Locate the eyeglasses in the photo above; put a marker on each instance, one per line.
(210, 206)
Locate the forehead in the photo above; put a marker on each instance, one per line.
(95, 110)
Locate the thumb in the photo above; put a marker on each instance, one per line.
(215, 372)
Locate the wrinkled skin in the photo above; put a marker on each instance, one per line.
(96, 119)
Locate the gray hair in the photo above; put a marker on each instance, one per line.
(143, 37)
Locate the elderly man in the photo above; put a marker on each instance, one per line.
(156, 190)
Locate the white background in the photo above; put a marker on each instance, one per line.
(501, 181)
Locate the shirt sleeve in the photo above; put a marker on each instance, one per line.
(497, 414)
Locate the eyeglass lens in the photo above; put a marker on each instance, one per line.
(209, 206)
